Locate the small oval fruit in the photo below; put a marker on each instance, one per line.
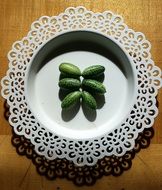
(70, 83)
(93, 86)
(69, 69)
(71, 99)
(93, 71)
(89, 100)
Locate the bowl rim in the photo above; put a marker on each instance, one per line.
(134, 71)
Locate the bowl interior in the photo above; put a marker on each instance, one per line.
(82, 48)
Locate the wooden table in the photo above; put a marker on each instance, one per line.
(18, 172)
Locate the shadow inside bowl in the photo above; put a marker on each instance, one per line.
(83, 45)
(89, 113)
(100, 99)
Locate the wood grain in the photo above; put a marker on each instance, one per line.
(16, 16)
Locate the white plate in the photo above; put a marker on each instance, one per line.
(82, 48)
(81, 136)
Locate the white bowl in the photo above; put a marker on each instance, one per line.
(82, 48)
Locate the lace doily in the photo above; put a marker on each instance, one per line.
(89, 151)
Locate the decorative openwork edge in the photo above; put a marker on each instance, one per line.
(89, 151)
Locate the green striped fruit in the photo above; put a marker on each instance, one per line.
(93, 71)
(69, 69)
(89, 100)
(93, 86)
(71, 99)
(70, 83)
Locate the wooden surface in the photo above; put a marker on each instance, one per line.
(18, 172)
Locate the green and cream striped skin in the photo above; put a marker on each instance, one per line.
(69, 69)
(71, 99)
(93, 86)
(93, 71)
(70, 84)
(81, 91)
(89, 100)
